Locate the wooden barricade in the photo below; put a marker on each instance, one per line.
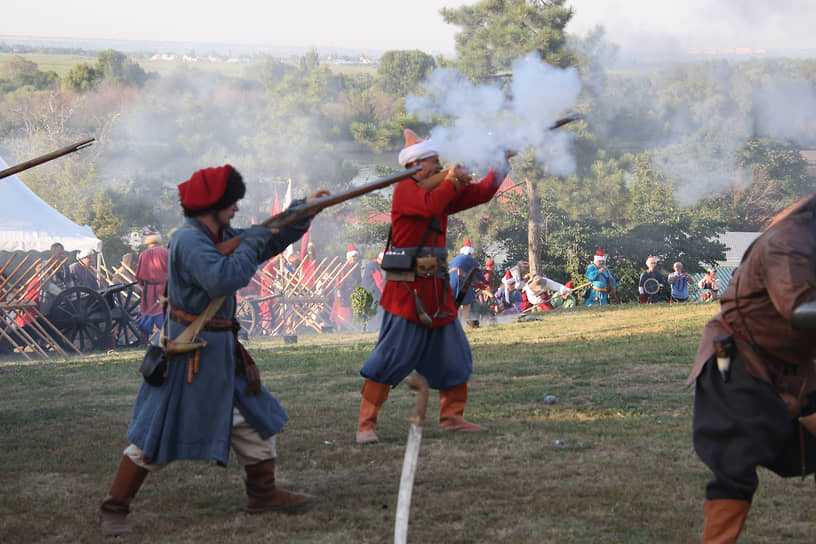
(23, 328)
(301, 298)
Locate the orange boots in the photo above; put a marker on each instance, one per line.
(451, 409)
(264, 496)
(374, 396)
(116, 506)
(724, 519)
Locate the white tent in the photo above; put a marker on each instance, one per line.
(28, 223)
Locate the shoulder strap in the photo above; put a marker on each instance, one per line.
(433, 225)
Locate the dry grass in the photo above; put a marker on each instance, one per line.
(623, 470)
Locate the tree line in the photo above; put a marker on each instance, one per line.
(666, 159)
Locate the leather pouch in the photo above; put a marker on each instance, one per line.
(154, 365)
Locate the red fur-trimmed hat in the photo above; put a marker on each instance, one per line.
(206, 187)
(351, 251)
(599, 256)
(508, 278)
(467, 249)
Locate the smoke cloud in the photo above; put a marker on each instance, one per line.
(481, 122)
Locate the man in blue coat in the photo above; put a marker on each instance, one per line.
(602, 280)
(459, 268)
(212, 399)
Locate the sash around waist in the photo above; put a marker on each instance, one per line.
(213, 325)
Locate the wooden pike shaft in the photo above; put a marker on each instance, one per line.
(5, 281)
(23, 280)
(409, 463)
(7, 263)
(21, 288)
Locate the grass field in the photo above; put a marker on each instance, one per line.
(611, 462)
(60, 64)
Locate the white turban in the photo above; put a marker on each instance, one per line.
(417, 152)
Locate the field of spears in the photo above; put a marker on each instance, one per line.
(589, 440)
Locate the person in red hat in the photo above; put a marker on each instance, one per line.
(345, 282)
(510, 299)
(208, 400)
(565, 300)
(420, 329)
(602, 281)
(491, 282)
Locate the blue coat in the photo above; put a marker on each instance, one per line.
(178, 420)
(601, 284)
(458, 270)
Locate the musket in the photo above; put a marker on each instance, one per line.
(299, 212)
(45, 158)
(465, 287)
(436, 180)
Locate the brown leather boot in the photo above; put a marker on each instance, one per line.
(116, 506)
(374, 396)
(724, 519)
(452, 408)
(264, 496)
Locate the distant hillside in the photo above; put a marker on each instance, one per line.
(178, 48)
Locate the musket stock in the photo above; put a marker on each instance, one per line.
(45, 158)
(293, 214)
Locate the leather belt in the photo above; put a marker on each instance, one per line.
(213, 325)
(441, 252)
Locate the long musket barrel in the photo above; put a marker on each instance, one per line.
(293, 214)
(45, 158)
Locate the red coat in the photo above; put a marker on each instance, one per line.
(411, 211)
(151, 273)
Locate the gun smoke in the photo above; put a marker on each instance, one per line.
(478, 123)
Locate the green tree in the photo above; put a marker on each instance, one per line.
(19, 72)
(81, 77)
(401, 72)
(494, 33)
(116, 67)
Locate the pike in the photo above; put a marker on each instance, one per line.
(409, 464)
(45, 158)
(299, 212)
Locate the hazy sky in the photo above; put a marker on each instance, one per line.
(384, 24)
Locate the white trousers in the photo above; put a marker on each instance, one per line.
(247, 444)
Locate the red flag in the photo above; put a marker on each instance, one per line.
(303, 243)
(276, 205)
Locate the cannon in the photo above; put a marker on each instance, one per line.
(97, 319)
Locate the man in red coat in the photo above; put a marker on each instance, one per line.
(420, 329)
(151, 273)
